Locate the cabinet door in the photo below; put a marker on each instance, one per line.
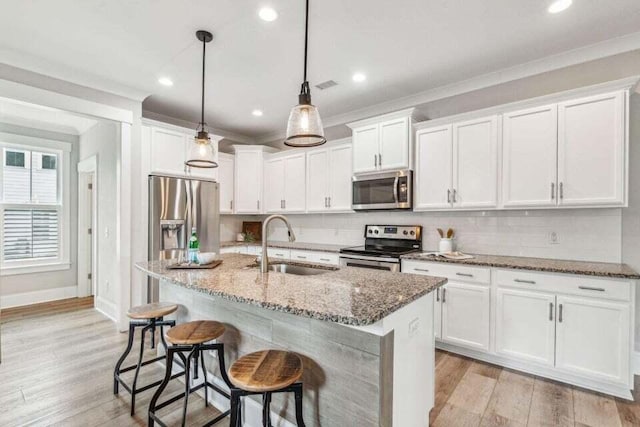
(340, 184)
(475, 163)
(591, 150)
(433, 168)
(529, 157)
(318, 180)
(225, 178)
(294, 183)
(465, 315)
(248, 182)
(525, 325)
(365, 149)
(593, 338)
(274, 185)
(394, 144)
(168, 151)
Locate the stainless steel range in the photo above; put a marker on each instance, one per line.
(384, 244)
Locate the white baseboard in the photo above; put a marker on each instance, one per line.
(106, 307)
(35, 297)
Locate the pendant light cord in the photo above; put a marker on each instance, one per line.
(204, 51)
(304, 90)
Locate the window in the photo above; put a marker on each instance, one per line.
(31, 206)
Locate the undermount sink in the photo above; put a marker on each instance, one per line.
(298, 270)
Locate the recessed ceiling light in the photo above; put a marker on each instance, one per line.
(359, 77)
(257, 113)
(268, 14)
(165, 81)
(559, 5)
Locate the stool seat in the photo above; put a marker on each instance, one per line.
(197, 332)
(267, 370)
(152, 311)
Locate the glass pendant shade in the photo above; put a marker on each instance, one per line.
(201, 153)
(304, 128)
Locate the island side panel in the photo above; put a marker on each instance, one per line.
(344, 366)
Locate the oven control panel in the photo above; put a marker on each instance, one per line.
(408, 232)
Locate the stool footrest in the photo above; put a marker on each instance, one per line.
(145, 363)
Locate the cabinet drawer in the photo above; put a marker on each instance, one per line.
(315, 257)
(565, 284)
(456, 272)
(279, 253)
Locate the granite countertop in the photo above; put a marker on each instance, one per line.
(289, 245)
(587, 268)
(352, 296)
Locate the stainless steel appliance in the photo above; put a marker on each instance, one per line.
(384, 244)
(385, 190)
(176, 204)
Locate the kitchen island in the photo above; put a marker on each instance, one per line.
(366, 336)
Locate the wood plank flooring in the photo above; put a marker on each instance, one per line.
(58, 364)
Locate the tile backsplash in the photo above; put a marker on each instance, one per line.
(582, 234)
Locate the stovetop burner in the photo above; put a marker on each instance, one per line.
(378, 251)
(389, 241)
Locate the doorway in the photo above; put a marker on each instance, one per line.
(87, 227)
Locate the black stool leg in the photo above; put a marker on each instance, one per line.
(235, 420)
(204, 376)
(298, 396)
(135, 377)
(116, 371)
(187, 387)
(223, 369)
(153, 332)
(266, 410)
(163, 385)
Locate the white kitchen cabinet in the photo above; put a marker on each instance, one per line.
(529, 157)
(466, 315)
(593, 338)
(279, 253)
(168, 150)
(475, 163)
(525, 325)
(284, 183)
(226, 180)
(248, 178)
(382, 143)
(315, 257)
(433, 177)
(591, 150)
(329, 179)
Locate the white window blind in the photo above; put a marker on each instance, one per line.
(30, 233)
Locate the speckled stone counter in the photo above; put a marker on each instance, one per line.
(320, 247)
(352, 296)
(601, 269)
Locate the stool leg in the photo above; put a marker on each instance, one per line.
(187, 387)
(116, 371)
(235, 409)
(135, 377)
(223, 369)
(266, 410)
(163, 385)
(196, 356)
(204, 376)
(153, 333)
(298, 396)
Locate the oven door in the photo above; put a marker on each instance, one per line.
(374, 263)
(389, 190)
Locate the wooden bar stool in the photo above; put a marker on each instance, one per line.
(147, 317)
(265, 372)
(190, 338)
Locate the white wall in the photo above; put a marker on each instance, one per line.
(102, 140)
(43, 286)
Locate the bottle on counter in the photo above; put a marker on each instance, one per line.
(194, 246)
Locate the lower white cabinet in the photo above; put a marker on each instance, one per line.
(465, 315)
(525, 325)
(593, 338)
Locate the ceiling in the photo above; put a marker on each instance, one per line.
(43, 118)
(403, 46)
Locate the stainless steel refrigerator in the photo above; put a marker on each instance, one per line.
(176, 204)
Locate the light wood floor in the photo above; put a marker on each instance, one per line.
(58, 364)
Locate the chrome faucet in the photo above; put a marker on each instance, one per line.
(264, 261)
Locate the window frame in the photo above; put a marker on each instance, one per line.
(63, 152)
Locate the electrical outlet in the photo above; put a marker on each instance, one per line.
(554, 239)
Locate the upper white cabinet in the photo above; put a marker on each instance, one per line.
(457, 165)
(248, 178)
(591, 150)
(284, 183)
(226, 180)
(529, 157)
(382, 143)
(329, 179)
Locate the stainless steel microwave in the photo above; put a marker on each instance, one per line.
(385, 190)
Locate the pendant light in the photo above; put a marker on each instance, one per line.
(304, 128)
(201, 153)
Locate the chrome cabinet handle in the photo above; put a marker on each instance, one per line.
(380, 159)
(561, 190)
(231, 204)
(455, 196)
(464, 274)
(444, 294)
(560, 314)
(375, 160)
(325, 202)
(438, 295)
(324, 259)
(284, 203)
(301, 257)
(553, 191)
(421, 269)
(329, 201)
(531, 282)
(551, 311)
(258, 204)
(448, 195)
(589, 288)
